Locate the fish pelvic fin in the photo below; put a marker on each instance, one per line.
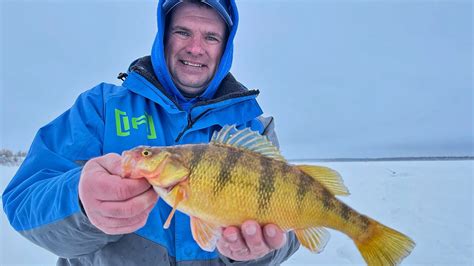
(381, 245)
(329, 178)
(314, 238)
(247, 139)
(180, 196)
(205, 234)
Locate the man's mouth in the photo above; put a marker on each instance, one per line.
(188, 63)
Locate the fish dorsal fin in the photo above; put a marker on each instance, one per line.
(205, 234)
(314, 238)
(329, 178)
(247, 139)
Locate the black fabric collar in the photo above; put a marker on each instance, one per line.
(229, 87)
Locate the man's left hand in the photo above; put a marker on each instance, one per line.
(251, 241)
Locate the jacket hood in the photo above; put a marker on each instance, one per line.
(161, 70)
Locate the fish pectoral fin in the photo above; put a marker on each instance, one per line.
(181, 195)
(329, 178)
(205, 234)
(314, 238)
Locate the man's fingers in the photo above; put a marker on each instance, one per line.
(114, 204)
(113, 222)
(223, 247)
(233, 238)
(254, 239)
(101, 179)
(274, 236)
(114, 188)
(242, 255)
(230, 236)
(130, 207)
(111, 162)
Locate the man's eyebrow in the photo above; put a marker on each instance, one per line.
(180, 28)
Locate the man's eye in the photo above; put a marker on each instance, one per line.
(182, 33)
(212, 39)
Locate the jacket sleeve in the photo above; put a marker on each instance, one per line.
(275, 257)
(41, 201)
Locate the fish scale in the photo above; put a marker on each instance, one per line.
(241, 176)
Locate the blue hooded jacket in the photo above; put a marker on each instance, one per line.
(42, 201)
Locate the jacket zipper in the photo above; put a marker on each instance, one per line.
(190, 124)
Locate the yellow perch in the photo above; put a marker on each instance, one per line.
(240, 176)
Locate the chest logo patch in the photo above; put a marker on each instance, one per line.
(123, 123)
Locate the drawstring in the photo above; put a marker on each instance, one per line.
(122, 76)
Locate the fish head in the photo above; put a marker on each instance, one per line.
(158, 165)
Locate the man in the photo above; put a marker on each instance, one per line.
(87, 213)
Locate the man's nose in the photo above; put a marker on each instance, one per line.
(195, 46)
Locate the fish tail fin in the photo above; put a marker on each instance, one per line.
(381, 245)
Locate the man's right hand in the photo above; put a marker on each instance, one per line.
(114, 204)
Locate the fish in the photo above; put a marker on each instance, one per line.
(240, 175)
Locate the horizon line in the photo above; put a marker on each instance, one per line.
(382, 159)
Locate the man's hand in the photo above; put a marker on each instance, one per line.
(114, 204)
(251, 241)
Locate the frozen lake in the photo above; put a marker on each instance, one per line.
(430, 201)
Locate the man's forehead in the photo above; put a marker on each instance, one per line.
(189, 12)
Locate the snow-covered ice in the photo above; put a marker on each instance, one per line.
(430, 201)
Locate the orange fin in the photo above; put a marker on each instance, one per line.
(179, 197)
(314, 238)
(381, 245)
(329, 178)
(205, 234)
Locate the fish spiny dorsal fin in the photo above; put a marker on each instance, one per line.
(329, 178)
(314, 238)
(247, 139)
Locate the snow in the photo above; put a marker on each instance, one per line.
(430, 201)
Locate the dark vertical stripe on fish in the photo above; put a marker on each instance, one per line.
(266, 185)
(327, 198)
(364, 222)
(303, 187)
(345, 211)
(197, 152)
(227, 166)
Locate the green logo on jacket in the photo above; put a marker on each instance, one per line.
(122, 124)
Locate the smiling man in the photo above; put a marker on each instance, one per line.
(195, 40)
(70, 196)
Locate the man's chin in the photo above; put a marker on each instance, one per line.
(191, 89)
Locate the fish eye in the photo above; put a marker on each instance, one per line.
(146, 153)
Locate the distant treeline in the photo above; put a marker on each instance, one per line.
(9, 158)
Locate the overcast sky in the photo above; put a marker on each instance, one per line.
(341, 78)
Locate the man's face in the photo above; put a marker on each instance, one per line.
(193, 47)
